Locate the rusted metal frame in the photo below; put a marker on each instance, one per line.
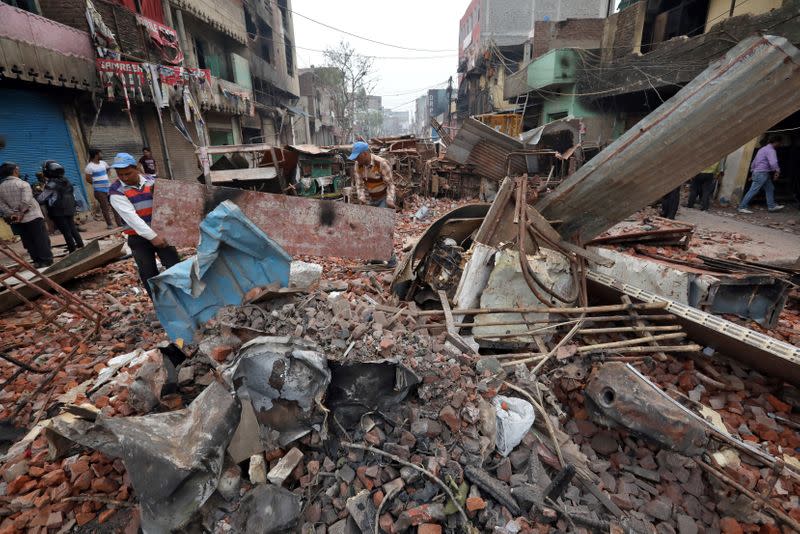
(773, 510)
(516, 322)
(541, 309)
(641, 324)
(60, 290)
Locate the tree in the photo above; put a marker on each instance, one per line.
(349, 79)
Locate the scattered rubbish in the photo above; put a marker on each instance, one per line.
(514, 418)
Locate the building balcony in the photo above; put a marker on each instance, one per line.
(37, 49)
(555, 68)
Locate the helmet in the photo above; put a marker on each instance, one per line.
(52, 169)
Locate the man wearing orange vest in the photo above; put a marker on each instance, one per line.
(374, 181)
(132, 198)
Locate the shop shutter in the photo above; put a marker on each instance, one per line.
(32, 130)
(113, 132)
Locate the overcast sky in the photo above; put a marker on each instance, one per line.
(420, 24)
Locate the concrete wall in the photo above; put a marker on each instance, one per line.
(507, 22)
(719, 10)
(571, 33)
(556, 10)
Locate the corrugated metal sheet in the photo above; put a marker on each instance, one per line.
(486, 148)
(753, 87)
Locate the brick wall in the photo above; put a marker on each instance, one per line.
(120, 21)
(622, 34)
(570, 33)
(70, 13)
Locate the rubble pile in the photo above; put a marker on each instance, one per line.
(341, 409)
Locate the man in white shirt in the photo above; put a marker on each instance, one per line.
(96, 174)
(22, 212)
(132, 198)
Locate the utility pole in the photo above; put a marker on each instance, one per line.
(449, 101)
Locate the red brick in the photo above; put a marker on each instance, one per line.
(77, 468)
(83, 482)
(729, 525)
(778, 404)
(474, 504)
(84, 517)
(429, 528)
(16, 485)
(53, 478)
(35, 471)
(377, 498)
(221, 352)
(105, 515)
(104, 485)
(449, 416)
(54, 519)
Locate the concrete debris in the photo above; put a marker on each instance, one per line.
(268, 509)
(278, 474)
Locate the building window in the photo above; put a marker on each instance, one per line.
(265, 41)
(282, 5)
(289, 57)
(252, 32)
(212, 57)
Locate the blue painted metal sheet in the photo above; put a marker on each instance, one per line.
(33, 130)
(233, 257)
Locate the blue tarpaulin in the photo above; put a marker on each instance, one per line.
(233, 257)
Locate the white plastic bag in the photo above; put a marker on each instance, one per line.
(514, 418)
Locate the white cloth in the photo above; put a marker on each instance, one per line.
(126, 210)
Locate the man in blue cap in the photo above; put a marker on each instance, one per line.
(132, 198)
(374, 181)
(373, 177)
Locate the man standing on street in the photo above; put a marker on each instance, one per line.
(374, 181)
(765, 169)
(22, 212)
(132, 197)
(96, 173)
(703, 186)
(147, 162)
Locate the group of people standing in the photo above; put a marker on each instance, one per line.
(126, 203)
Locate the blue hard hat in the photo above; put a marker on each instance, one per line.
(358, 148)
(123, 160)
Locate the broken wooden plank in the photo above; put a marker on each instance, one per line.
(301, 226)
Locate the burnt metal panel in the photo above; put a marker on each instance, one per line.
(766, 354)
(301, 226)
(753, 87)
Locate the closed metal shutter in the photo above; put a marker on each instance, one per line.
(181, 151)
(32, 130)
(113, 132)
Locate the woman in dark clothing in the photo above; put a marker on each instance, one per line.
(61, 204)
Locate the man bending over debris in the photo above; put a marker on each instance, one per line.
(373, 177)
(132, 197)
